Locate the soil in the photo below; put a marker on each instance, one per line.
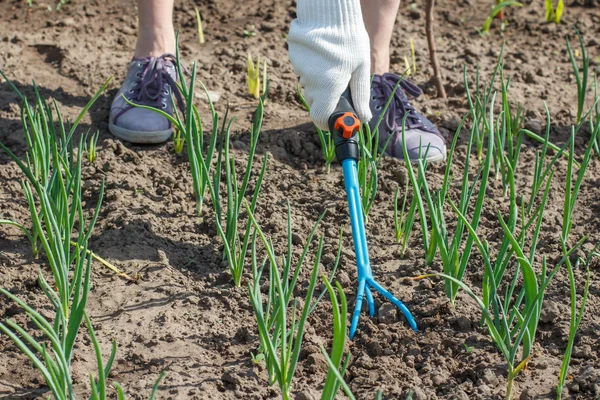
(183, 315)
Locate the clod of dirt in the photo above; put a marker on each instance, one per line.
(588, 379)
(529, 77)
(417, 394)
(425, 284)
(463, 323)
(534, 126)
(460, 395)
(307, 395)
(231, 378)
(387, 313)
(490, 378)
(343, 279)
(316, 363)
(550, 312)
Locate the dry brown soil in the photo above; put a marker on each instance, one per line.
(184, 315)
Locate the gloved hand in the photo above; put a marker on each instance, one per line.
(329, 48)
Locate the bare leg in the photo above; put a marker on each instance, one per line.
(156, 35)
(380, 17)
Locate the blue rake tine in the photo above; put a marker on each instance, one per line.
(397, 303)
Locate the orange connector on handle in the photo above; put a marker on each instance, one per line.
(347, 124)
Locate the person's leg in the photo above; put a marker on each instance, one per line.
(423, 140)
(156, 35)
(379, 17)
(150, 79)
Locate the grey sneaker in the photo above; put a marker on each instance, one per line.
(423, 140)
(150, 82)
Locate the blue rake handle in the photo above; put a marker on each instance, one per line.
(366, 282)
(344, 125)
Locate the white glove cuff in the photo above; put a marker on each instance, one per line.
(345, 15)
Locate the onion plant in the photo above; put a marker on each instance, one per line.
(572, 187)
(234, 249)
(514, 316)
(509, 136)
(454, 256)
(402, 224)
(53, 191)
(90, 147)
(595, 121)
(280, 333)
(554, 14)
(576, 313)
(52, 164)
(511, 324)
(55, 220)
(340, 333)
(499, 7)
(200, 155)
(581, 76)
(326, 139)
(50, 149)
(199, 26)
(543, 168)
(479, 102)
(178, 141)
(253, 77)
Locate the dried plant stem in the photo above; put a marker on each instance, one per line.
(437, 73)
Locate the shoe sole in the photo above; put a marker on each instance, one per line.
(431, 159)
(155, 137)
(435, 159)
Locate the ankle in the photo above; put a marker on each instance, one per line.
(380, 62)
(155, 42)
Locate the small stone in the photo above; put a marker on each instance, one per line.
(212, 95)
(375, 349)
(268, 26)
(534, 126)
(574, 388)
(66, 22)
(438, 380)
(539, 363)
(162, 257)
(451, 123)
(387, 313)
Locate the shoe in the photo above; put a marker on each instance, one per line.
(150, 81)
(423, 139)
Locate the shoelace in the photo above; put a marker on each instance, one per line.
(400, 105)
(148, 90)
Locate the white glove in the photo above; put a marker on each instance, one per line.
(329, 48)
